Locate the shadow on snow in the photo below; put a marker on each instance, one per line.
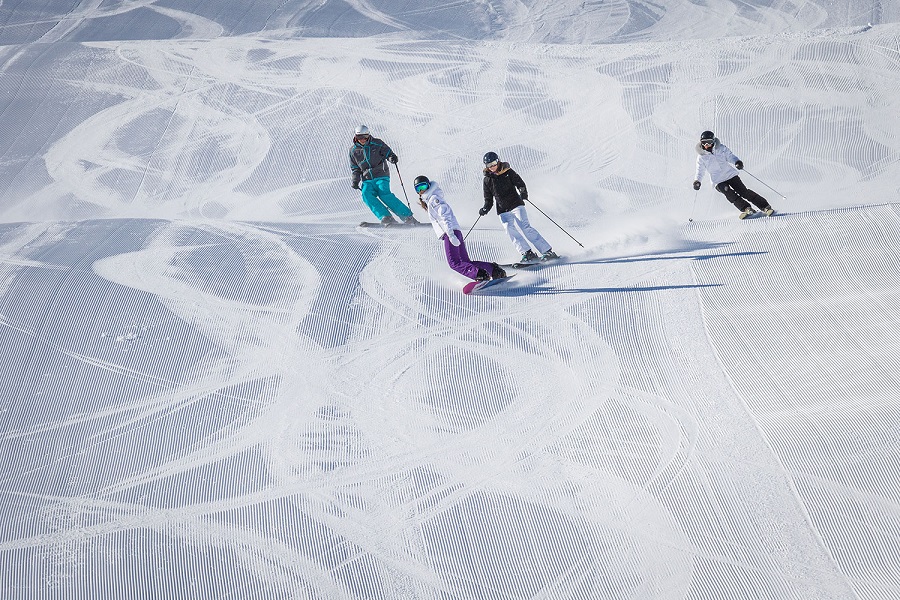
(545, 290)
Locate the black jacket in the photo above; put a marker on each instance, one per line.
(506, 186)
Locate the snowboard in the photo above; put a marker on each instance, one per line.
(474, 286)
(394, 225)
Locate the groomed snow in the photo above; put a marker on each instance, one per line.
(214, 386)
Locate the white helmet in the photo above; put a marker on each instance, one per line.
(362, 130)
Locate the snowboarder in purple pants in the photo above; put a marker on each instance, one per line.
(431, 198)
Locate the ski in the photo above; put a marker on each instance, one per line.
(520, 265)
(757, 214)
(397, 225)
(527, 265)
(475, 286)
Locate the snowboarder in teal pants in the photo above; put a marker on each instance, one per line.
(368, 166)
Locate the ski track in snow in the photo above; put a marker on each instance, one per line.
(255, 129)
(604, 432)
(214, 383)
(541, 21)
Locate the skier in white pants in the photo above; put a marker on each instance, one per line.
(504, 184)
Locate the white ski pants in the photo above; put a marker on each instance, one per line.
(520, 231)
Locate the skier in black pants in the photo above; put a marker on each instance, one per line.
(715, 158)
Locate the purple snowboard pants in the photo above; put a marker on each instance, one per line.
(459, 261)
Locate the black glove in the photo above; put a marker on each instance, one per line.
(483, 210)
(392, 159)
(739, 165)
(696, 185)
(355, 185)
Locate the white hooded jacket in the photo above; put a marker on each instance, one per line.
(719, 163)
(442, 218)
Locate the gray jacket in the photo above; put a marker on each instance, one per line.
(369, 161)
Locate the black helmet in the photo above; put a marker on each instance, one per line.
(491, 157)
(421, 184)
(707, 135)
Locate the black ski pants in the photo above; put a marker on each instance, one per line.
(739, 195)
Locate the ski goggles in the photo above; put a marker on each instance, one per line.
(361, 138)
(492, 164)
(707, 144)
(421, 187)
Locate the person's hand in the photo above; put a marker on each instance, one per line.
(483, 210)
(422, 204)
(739, 165)
(392, 159)
(696, 185)
(355, 185)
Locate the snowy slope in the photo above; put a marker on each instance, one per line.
(214, 386)
(540, 21)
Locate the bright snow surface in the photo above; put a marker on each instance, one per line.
(215, 387)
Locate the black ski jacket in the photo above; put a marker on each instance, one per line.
(506, 186)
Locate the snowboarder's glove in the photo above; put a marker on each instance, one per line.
(483, 210)
(355, 185)
(453, 239)
(392, 159)
(739, 165)
(696, 185)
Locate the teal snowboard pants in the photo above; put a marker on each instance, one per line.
(377, 195)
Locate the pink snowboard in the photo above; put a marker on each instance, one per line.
(474, 286)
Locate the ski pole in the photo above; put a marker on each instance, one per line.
(693, 206)
(400, 177)
(783, 197)
(472, 227)
(555, 223)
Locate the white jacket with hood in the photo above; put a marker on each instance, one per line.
(442, 218)
(718, 162)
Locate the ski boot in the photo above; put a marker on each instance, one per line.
(769, 211)
(529, 257)
(747, 212)
(482, 275)
(549, 255)
(389, 221)
(498, 272)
